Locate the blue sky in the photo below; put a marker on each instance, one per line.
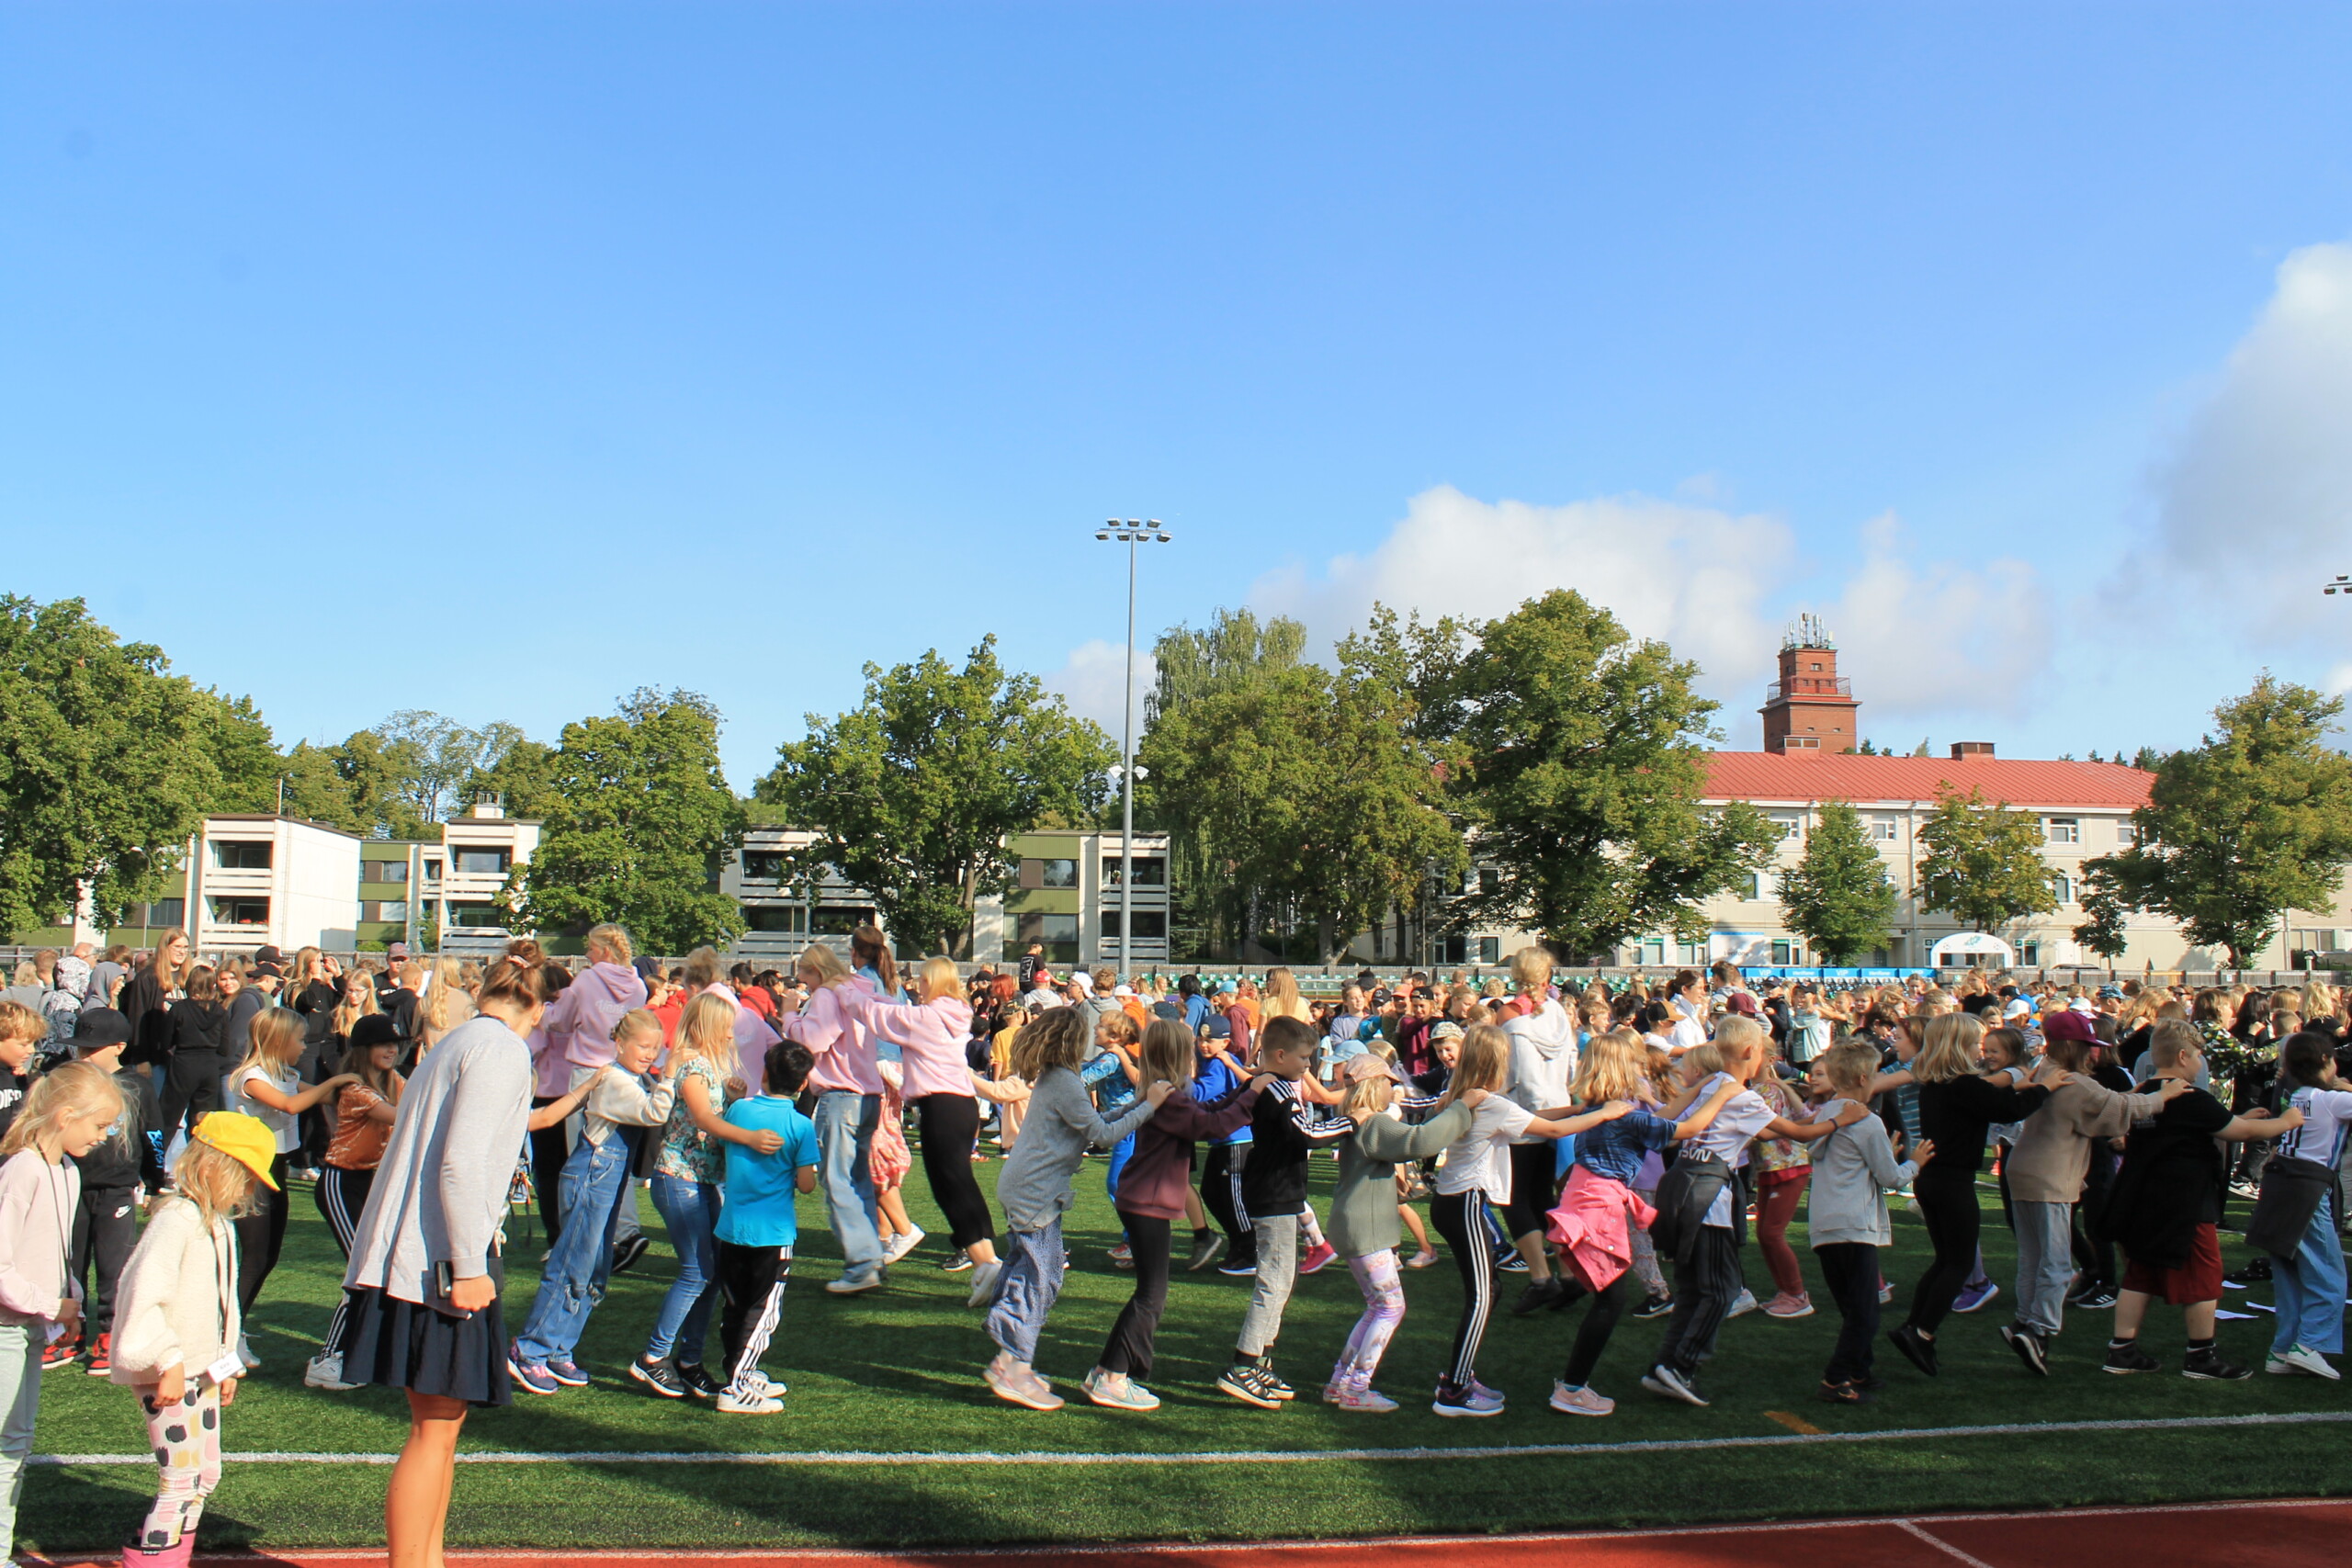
(499, 358)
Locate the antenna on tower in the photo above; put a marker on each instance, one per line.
(1808, 632)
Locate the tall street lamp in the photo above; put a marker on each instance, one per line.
(1133, 532)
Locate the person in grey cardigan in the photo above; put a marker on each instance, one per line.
(1853, 1169)
(425, 1271)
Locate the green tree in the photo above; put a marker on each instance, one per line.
(1583, 771)
(2256, 822)
(2106, 909)
(915, 794)
(1983, 863)
(108, 764)
(523, 778)
(437, 756)
(1838, 896)
(639, 824)
(244, 752)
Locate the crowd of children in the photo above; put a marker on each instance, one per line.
(1611, 1147)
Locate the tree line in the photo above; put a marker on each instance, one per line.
(1306, 802)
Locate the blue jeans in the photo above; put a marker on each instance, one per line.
(2309, 1288)
(1025, 1290)
(1121, 1152)
(845, 1126)
(572, 1280)
(690, 1209)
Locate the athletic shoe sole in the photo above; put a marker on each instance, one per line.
(1439, 1407)
(1246, 1394)
(637, 1369)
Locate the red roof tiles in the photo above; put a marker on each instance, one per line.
(1800, 776)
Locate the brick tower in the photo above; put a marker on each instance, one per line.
(1811, 707)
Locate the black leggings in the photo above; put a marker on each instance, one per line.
(550, 1149)
(260, 1235)
(1948, 1203)
(1458, 1220)
(191, 1088)
(2094, 1254)
(949, 1125)
(1851, 1269)
(1221, 1195)
(1129, 1348)
(1532, 1188)
(1592, 1334)
(342, 1196)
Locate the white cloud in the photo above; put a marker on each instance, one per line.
(1694, 575)
(1089, 681)
(2257, 492)
(1939, 637)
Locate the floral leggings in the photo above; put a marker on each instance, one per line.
(186, 1436)
(1384, 1309)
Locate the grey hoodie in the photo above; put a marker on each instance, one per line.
(1543, 1060)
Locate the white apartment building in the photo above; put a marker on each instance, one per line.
(260, 881)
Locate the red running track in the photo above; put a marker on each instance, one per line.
(2313, 1534)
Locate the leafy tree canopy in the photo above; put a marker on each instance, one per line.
(1838, 896)
(1982, 864)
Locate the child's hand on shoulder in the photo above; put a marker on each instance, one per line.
(1475, 1097)
(1161, 1089)
(1614, 1109)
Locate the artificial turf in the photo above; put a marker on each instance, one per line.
(897, 1373)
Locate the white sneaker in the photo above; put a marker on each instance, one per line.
(245, 1354)
(1744, 1306)
(984, 1283)
(326, 1372)
(902, 1244)
(2300, 1360)
(732, 1403)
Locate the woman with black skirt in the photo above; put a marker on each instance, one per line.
(1957, 1111)
(425, 1274)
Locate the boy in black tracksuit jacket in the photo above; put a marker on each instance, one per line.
(1282, 1128)
(129, 1159)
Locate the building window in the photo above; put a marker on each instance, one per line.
(474, 916)
(763, 865)
(1151, 870)
(1491, 950)
(1654, 951)
(841, 920)
(241, 854)
(1801, 743)
(432, 871)
(789, 919)
(483, 862)
(1151, 925)
(1885, 827)
(239, 911)
(384, 871)
(2063, 887)
(1058, 934)
(394, 910)
(1694, 952)
(1752, 887)
(1049, 874)
(1490, 881)
(2030, 955)
(1791, 826)
(2127, 832)
(2063, 829)
(1787, 953)
(163, 914)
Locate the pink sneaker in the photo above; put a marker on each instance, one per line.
(1369, 1400)
(1786, 1306)
(1317, 1256)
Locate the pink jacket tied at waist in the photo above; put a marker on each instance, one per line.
(1589, 1225)
(932, 1036)
(842, 1046)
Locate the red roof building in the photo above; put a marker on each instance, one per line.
(1811, 777)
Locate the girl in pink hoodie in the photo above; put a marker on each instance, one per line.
(939, 1086)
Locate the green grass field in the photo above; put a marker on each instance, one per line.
(897, 1373)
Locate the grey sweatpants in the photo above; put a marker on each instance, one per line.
(1277, 1236)
(2045, 1261)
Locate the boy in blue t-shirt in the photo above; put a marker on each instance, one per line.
(757, 1226)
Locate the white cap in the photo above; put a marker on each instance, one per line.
(1123, 990)
(1082, 980)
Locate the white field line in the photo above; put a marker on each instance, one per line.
(1273, 1455)
(1191, 1549)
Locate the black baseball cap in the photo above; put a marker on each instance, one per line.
(98, 1028)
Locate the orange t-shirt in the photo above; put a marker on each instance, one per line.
(359, 1139)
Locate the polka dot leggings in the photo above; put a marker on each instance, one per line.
(186, 1436)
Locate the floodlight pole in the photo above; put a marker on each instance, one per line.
(1132, 533)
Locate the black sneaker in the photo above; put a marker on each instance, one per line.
(1205, 1251)
(699, 1382)
(2030, 1346)
(1514, 1264)
(1272, 1384)
(2210, 1366)
(2097, 1299)
(1539, 1294)
(1246, 1382)
(2256, 1273)
(1845, 1394)
(1655, 1306)
(2124, 1359)
(626, 1253)
(660, 1376)
(1916, 1348)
